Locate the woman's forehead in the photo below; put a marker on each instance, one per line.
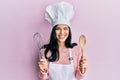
(62, 25)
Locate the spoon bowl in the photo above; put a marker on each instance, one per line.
(82, 41)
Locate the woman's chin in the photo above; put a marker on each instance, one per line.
(62, 40)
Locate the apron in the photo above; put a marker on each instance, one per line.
(62, 71)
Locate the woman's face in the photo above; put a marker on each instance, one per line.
(62, 32)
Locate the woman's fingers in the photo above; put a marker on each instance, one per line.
(43, 64)
(83, 64)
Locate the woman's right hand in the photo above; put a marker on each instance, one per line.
(43, 65)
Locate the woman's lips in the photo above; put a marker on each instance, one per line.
(61, 36)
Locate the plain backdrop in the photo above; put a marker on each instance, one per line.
(98, 20)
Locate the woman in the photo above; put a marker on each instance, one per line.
(62, 60)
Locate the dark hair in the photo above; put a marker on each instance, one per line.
(53, 45)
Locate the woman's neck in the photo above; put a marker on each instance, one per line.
(61, 45)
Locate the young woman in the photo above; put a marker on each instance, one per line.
(62, 59)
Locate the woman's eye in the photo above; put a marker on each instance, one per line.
(57, 28)
(66, 28)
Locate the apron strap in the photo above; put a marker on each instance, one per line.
(70, 54)
(71, 58)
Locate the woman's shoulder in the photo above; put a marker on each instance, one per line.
(76, 48)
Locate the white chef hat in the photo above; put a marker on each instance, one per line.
(59, 13)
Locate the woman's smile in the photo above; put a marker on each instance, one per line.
(62, 36)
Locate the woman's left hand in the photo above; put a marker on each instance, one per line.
(83, 64)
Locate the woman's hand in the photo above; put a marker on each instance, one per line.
(83, 64)
(43, 65)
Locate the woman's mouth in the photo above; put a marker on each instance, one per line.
(61, 36)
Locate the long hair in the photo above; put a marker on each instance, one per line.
(53, 45)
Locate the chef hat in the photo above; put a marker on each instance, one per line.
(59, 13)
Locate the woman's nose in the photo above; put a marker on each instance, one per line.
(61, 31)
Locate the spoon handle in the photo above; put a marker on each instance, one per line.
(82, 52)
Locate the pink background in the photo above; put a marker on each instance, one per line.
(99, 20)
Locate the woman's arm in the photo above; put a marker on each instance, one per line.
(79, 71)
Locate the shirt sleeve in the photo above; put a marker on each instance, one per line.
(77, 55)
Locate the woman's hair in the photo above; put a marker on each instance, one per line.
(53, 45)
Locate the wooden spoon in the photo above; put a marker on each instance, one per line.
(82, 42)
